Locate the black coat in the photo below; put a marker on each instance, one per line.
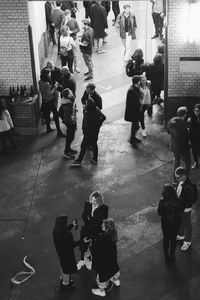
(104, 257)
(64, 244)
(92, 120)
(170, 211)
(132, 111)
(98, 20)
(195, 131)
(95, 96)
(155, 73)
(69, 83)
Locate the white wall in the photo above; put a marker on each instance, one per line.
(37, 21)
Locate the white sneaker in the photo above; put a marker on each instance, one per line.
(80, 264)
(180, 237)
(116, 282)
(144, 133)
(98, 292)
(186, 245)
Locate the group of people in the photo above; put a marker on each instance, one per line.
(97, 244)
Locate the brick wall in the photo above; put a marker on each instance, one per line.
(15, 62)
(180, 84)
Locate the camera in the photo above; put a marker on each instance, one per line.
(75, 223)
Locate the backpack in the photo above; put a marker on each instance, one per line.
(194, 193)
(130, 68)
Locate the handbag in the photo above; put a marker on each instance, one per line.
(63, 51)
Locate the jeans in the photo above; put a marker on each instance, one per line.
(69, 59)
(69, 136)
(98, 44)
(170, 232)
(186, 226)
(158, 23)
(89, 139)
(88, 61)
(185, 158)
(47, 108)
(144, 108)
(127, 43)
(115, 8)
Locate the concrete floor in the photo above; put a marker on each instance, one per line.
(37, 184)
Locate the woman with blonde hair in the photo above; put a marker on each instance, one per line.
(67, 44)
(104, 258)
(145, 89)
(94, 212)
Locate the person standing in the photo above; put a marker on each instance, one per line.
(67, 112)
(65, 244)
(91, 93)
(158, 17)
(99, 24)
(55, 72)
(57, 15)
(126, 22)
(94, 212)
(86, 46)
(133, 108)
(194, 134)
(145, 101)
(93, 119)
(68, 80)
(115, 9)
(49, 97)
(104, 258)
(73, 26)
(185, 193)
(179, 140)
(67, 46)
(50, 27)
(170, 209)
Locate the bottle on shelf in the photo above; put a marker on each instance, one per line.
(25, 91)
(11, 94)
(21, 92)
(32, 91)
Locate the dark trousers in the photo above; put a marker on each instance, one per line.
(88, 61)
(47, 108)
(89, 139)
(196, 149)
(68, 60)
(177, 161)
(154, 93)
(134, 128)
(69, 136)
(170, 232)
(186, 226)
(144, 108)
(51, 32)
(158, 23)
(7, 136)
(115, 8)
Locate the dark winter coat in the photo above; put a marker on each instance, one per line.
(67, 112)
(92, 121)
(64, 244)
(95, 96)
(92, 227)
(186, 194)
(56, 75)
(195, 130)
(155, 73)
(98, 20)
(170, 211)
(104, 257)
(69, 82)
(132, 111)
(179, 142)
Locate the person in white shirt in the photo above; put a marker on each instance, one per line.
(67, 44)
(158, 16)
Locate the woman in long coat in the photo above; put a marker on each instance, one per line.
(104, 258)
(65, 244)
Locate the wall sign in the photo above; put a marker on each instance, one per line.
(189, 65)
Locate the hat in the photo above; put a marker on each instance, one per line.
(182, 111)
(86, 21)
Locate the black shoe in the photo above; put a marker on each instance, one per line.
(87, 73)
(72, 151)
(195, 166)
(69, 286)
(60, 134)
(155, 36)
(133, 144)
(137, 140)
(49, 130)
(89, 77)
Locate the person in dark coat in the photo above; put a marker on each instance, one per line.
(93, 119)
(99, 24)
(135, 64)
(133, 108)
(68, 80)
(179, 140)
(194, 135)
(55, 72)
(170, 209)
(94, 212)
(90, 92)
(104, 258)
(155, 73)
(65, 244)
(50, 27)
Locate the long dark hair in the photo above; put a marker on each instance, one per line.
(44, 75)
(168, 192)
